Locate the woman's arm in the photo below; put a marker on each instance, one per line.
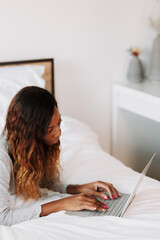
(51, 207)
(8, 214)
(73, 203)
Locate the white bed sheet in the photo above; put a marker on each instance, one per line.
(84, 161)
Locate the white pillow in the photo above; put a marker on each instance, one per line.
(12, 79)
(23, 75)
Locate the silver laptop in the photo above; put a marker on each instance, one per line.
(116, 207)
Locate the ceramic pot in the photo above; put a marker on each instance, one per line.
(154, 74)
(135, 70)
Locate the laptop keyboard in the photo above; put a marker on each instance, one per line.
(115, 206)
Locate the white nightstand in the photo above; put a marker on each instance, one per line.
(140, 98)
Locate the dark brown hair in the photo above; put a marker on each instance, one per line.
(34, 163)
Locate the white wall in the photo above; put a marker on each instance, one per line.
(88, 40)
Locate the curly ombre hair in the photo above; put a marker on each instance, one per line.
(35, 164)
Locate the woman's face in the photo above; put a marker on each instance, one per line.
(53, 132)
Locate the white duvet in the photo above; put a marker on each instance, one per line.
(84, 161)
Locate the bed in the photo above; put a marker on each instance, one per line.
(82, 161)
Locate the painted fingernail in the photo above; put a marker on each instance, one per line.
(112, 197)
(105, 206)
(93, 208)
(104, 210)
(105, 197)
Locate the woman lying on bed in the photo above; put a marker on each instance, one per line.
(29, 161)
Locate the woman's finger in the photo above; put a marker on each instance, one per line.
(100, 195)
(96, 206)
(109, 190)
(91, 203)
(115, 192)
(107, 187)
(101, 206)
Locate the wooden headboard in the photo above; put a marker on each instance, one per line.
(49, 69)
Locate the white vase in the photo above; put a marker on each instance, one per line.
(154, 74)
(135, 70)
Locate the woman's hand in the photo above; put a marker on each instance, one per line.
(73, 203)
(96, 189)
(82, 201)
